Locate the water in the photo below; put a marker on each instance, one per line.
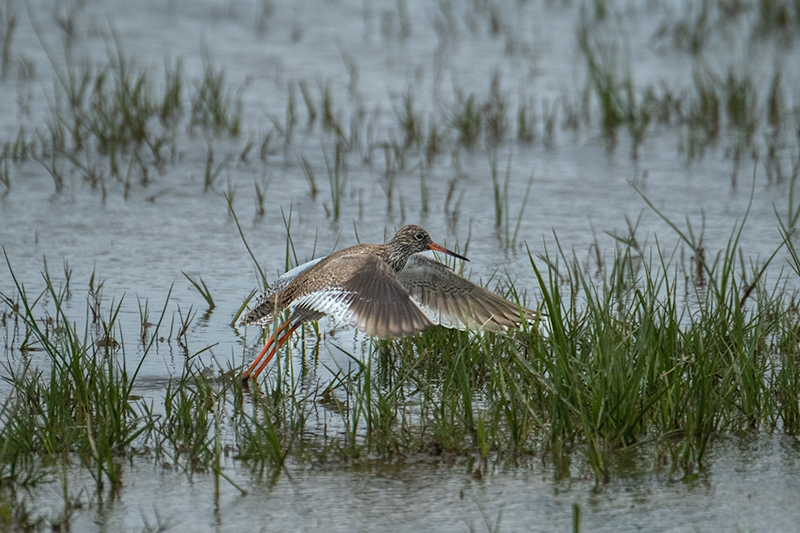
(582, 193)
(751, 485)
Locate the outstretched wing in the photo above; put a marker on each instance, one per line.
(454, 302)
(361, 290)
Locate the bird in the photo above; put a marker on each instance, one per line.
(385, 290)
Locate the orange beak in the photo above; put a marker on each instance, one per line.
(440, 248)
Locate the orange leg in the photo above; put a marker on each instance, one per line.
(270, 348)
(269, 343)
(282, 338)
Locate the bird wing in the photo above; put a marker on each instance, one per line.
(262, 311)
(454, 302)
(362, 291)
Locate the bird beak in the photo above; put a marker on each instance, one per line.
(440, 248)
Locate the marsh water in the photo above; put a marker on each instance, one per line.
(138, 237)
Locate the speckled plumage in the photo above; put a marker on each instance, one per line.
(385, 290)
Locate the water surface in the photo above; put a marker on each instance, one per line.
(370, 55)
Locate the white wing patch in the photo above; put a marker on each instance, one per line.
(440, 318)
(332, 301)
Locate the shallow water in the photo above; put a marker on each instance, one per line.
(582, 193)
(751, 485)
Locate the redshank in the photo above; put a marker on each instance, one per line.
(384, 290)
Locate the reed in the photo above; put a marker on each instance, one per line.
(308, 99)
(741, 101)
(692, 32)
(54, 167)
(22, 149)
(603, 79)
(272, 430)
(171, 108)
(705, 112)
(646, 351)
(500, 191)
(776, 18)
(424, 193)
(107, 118)
(435, 144)
(291, 114)
(331, 117)
(495, 113)
(550, 114)
(617, 97)
(184, 431)
(16, 513)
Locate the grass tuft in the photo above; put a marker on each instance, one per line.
(202, 289)
(213, 106)
(81, 404)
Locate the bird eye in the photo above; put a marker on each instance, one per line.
(420, 236)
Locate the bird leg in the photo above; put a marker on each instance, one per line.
(276, 346)
(269, 343)
(270, 348)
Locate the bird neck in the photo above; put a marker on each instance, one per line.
(396, 257)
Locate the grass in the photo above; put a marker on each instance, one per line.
(114, 122)
(617, 98)
(117, 123)
(526, 123)
(308, 172)
(635, 366)
(202, 289)
(5, 179)
(508, 238)
(260, 196)
(80, 405)
(213, 106)
(467, 120)
(704, 117)
(212, 173)
(337, 179)
(8, 24)
(410, 122)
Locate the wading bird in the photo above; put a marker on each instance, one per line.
(385, 290)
